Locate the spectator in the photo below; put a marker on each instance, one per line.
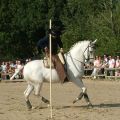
(105, 61)
(12, 65)
(3, 72)
(18, 67)
(117, 65)
(111, 64)
(11, 71)
(7, 70)
(97, 66)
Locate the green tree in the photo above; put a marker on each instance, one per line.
(23, 23)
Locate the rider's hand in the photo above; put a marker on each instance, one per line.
(46, 50)
(61, 50)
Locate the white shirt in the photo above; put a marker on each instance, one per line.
(117, 63)
(97, 63)
(3, 68)
(111, 63)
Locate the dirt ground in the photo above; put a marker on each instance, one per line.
(104, 95)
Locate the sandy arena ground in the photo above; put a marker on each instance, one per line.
(105, 97)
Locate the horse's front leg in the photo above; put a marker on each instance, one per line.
(84, 94)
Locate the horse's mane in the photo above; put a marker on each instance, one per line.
(77, 44)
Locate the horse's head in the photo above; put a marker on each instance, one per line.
(83, 51)
(89, 51)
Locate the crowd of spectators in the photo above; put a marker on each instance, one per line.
(100, 63)
(8, 68)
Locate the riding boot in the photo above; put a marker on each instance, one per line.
(66, 80)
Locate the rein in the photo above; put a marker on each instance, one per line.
(74, 58)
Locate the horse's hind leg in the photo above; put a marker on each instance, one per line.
(38, 88)
(27, 92)
(45, 100)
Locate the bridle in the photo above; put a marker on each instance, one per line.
(87, 48)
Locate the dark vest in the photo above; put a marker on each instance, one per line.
(56, 42)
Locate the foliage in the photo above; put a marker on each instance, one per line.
(23, 23)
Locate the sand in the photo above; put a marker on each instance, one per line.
(104, 95)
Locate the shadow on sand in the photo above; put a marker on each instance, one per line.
(111, 105)
(102, 105)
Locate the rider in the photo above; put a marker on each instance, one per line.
(56, 42)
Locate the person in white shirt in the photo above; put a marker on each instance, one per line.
(117, 62)
(105, 61)
(117, 65)
(3, 71)
(111, 64)
(3, 66)
(19, 69)
(97, 66)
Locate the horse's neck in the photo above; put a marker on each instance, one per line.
(77, 54)
(76, 57)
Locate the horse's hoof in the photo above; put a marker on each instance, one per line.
(48, 105)
(90, 105)
(29, 109)
(45, 100)
(75, 100)
(33, 107)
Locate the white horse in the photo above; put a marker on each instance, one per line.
(35, 73)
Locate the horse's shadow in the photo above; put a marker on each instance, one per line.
(111, 105)
(102, 105)
(108, 105)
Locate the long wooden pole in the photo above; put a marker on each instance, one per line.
(50, 46)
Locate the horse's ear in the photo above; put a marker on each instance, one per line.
(94, 41)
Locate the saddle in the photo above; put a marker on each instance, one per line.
(46, 61)
(57, 64)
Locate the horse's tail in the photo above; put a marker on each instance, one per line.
(17, 72)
